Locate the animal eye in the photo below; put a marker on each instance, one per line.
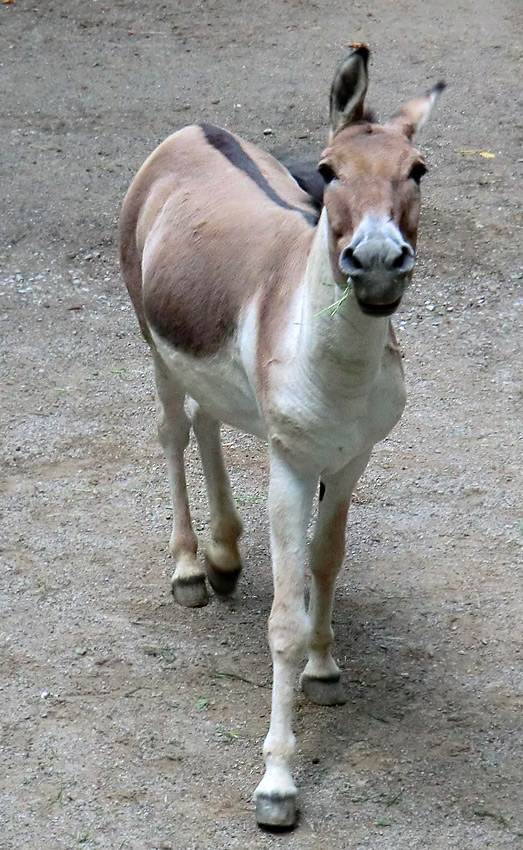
(417, 171)
(327, 172)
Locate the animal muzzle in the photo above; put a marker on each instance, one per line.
(378, 262)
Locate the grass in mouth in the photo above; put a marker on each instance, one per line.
(333, 308)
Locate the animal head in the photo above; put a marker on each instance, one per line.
(372, 195)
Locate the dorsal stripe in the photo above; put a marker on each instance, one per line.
(227, 145)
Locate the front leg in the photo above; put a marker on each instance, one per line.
(321, 677)
(290, 500)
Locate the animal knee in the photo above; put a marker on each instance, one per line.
(326, 558)
(328, 546)
(289, 635)
(174, 430)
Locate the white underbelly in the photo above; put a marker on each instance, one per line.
(219, 384)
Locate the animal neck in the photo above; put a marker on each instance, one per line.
(337, 335)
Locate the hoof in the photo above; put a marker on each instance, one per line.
(223, 568)
(276, 811)
(222, 583)
(190, 591)
(323, 691)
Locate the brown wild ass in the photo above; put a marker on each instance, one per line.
(269, 320)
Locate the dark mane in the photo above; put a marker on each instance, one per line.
(310, 180)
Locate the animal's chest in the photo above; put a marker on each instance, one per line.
(328, 427)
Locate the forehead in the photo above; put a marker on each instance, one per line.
(370, 147)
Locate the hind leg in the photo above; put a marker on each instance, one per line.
(221, 553)
(188, 581)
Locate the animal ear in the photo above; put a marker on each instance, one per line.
(411, 117)
(349, 88)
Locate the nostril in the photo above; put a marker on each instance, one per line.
(351, 257)
(400, 259)
(349, 263)
(405, 259)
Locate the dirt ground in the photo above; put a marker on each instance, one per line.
(122, 726)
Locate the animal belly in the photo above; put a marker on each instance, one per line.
(219, 384)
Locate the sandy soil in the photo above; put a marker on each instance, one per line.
(120, 725)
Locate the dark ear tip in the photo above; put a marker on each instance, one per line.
(439, 87)
(362, 50)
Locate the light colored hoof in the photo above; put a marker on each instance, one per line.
(323, 691)
(223, 568)
(190, 591)
(276, 811)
